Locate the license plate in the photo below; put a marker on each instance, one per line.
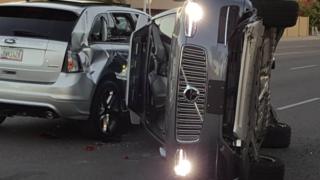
(8, 53)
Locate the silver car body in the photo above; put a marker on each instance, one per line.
(38, 80)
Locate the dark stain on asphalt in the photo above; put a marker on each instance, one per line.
(49, 135)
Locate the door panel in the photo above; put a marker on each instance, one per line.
(156, 85)
(137, 71)
(147, 91)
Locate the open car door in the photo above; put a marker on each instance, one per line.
(136, 71)
(147, 81)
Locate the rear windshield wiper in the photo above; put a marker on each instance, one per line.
(28, 34)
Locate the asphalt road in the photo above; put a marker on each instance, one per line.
(57, 149)
(296, 95)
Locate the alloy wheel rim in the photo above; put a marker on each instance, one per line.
(105, 111)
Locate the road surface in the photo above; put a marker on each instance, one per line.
(296, 95)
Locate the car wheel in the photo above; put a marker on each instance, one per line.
(2, 119)
(278, 136)
(277, 13)
(267, 168)
(105, 116)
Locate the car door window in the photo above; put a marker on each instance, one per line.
(166, 24)
(229, 16)
(124, 25)
(162, 33)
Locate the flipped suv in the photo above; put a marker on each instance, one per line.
(66, 59)
(199, 81)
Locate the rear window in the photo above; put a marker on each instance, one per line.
(34, 22)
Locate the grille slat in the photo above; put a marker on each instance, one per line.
(189, 126)
(192, 50)
(195, 84)
(189, 132)
(188, 105)
(190, 62)
(188, 121)
(195, 79)
(200, 101)
(190, 68)
(188, 111)
(194, 116)
(194, 74)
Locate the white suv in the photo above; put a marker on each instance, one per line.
(66, 59)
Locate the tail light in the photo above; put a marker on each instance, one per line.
(72, 63)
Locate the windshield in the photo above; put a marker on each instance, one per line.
(35, 22)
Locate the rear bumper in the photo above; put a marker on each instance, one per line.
(70, 96)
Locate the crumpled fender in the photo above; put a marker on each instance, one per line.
(94, 60)
(98, 63)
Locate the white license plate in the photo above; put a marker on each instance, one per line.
(8, 53)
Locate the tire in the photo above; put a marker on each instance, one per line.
(267, 168)
(278, 136)
(105, 119)
(2, 119)
(277, 13)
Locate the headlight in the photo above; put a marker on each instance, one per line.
(194, 13)
(183, 165)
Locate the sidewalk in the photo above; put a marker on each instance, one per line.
(308, 38)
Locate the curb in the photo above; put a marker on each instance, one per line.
(309, 38)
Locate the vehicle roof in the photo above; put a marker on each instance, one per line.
(76, 8)
(165, 13)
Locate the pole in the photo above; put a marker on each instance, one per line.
(149, 3)
(145, 2)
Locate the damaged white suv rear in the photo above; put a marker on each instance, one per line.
(66, 59)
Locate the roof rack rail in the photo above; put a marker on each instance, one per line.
(81, 3)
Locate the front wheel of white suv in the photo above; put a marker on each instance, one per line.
(105, 116)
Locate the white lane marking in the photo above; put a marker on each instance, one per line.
(297, 53)
(293, 47)
(297, 104)
(303, 67)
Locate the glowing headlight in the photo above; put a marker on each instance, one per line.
(183, 165)
(194, 11)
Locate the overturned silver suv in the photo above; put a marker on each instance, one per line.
(66, 59)
(199, 81)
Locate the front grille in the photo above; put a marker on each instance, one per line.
(188, 121)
